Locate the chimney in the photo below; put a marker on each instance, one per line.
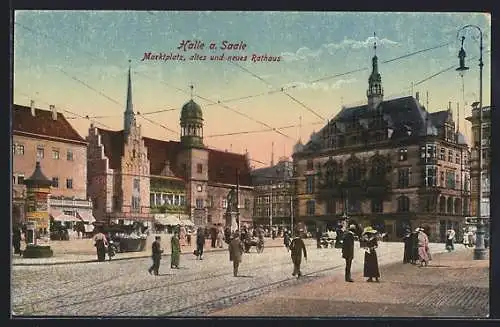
(32, 105)
(54, 111)
(449, 105)
(417, 96)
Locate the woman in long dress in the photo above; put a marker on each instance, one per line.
(407, 255)
(101, 244)
(176, 251)
(371, 261)
(423, 248)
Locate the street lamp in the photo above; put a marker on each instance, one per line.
(479, 251)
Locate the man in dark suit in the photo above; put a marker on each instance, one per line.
(297, 247)
(348, 251)
(156, 256)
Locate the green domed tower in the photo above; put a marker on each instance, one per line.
(192, 125)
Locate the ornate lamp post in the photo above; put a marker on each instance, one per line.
(480, 250)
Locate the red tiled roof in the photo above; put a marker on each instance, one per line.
(42, 123)
(159, 152)
(222, 165)
(113, 142)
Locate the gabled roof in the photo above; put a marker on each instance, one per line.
(42, 124)
(159, 152)
(222, 165)
(113, 142)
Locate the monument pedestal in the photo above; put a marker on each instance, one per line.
(232, 220)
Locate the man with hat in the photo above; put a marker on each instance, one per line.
(297, 247)
(348, 251)
(408, 246)
(235, 252)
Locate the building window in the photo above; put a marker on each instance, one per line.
(466, 207)
(404, 177)
(13, 179)
(353, 174)
(442, 204)
(310, 165)
(449, 205)
(267, 199)
(20, 179)
(19, 149)
(458, 206)
(268, 212)
(403, 154)
(69, 183)
(377, 206)
(55, 154)
(442, 154)
(55, 181)
(353, 205)
(441, 179)
(152, 203)
(182, 199)
(430, 176)
(311, 208)
(199, 188)
(310, 184)
(403, 204)
(247, 203)
(40, 152)
(137, 185)
(428, 152)
(199, 168)
(69, 155)
(450, 155)
(485, 182)
(430, 204)
(136, 203)
(116, 203)
(209, 218)
(224, 203)
(457, 158)
(450, 179)
(331, 206)
(199, 203)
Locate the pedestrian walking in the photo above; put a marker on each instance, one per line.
(287, 240)
(297, 247)
(175, 246)
(220, 237)
(16, 240)
(200, 243)
(450, 236)
(156, 252)
(348, 251)
(414, 246)
(407, 255)
(423, 247)
(235, 252)
(318, 238)
(188, 237)
(370, 268)
(101, 243)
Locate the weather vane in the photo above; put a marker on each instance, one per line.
(375, 43)
(191, 87)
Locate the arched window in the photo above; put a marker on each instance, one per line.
(331, 172)
(466, 207)
(311, 208)
(442, 204)
(449, 205)
(403, 204)
(378, 168)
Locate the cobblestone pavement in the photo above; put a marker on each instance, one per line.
(124, 288)
(453, 285)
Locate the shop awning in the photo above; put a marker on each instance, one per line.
(85, 216)
(186, 222)
(66, 218)
(167, 220)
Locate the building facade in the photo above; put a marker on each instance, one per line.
(46, 136)
(170, 180)
(274, 188)
(485, 144)
(389, 164)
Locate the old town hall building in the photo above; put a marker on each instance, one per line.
(390, 164)
(136, 178)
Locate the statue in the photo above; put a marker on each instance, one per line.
(232, 201)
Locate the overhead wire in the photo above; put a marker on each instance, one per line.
(261, 130)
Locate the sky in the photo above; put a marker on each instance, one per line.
(78, 61)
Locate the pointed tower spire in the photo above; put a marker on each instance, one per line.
(375, 93)
(191, 87)
(129, 119)
(458, 118)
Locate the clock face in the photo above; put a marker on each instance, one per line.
(199, 188)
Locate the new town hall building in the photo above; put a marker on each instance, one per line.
(136, 178)
(390, 164)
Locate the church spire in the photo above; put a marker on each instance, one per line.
(375, 93)
(129, 118)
